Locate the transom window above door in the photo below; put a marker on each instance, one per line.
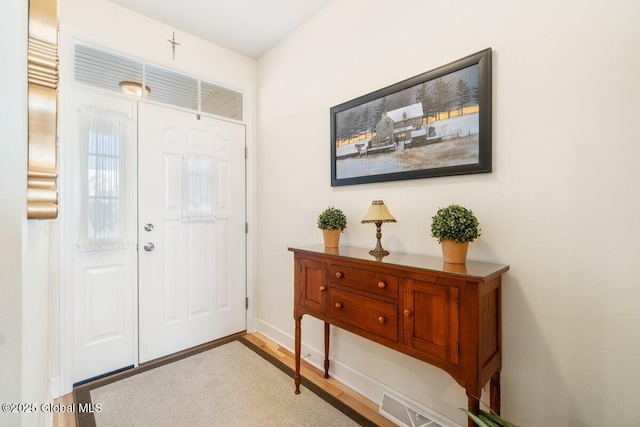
(117, 73)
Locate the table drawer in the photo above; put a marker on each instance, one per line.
(369, 281)
(377, 317)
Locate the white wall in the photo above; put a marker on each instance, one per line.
(13, 191)
(24, 261)
(35, 321)
(561, 206)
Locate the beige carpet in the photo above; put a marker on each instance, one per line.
(234, 384)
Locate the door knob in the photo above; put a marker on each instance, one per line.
(149, 246)
(148, 227)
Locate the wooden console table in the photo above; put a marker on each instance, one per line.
(447, 315)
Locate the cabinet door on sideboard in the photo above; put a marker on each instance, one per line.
(313, 281)
(431, 319)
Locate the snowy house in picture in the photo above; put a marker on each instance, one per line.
(384, 132)
(406, 120)
(395, 126)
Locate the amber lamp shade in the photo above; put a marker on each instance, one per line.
(378, 213)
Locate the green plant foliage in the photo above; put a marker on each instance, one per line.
(485, 419)
(332, 219)
(455, 223)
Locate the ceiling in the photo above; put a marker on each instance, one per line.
(249, 27)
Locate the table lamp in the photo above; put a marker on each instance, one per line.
(378, 213)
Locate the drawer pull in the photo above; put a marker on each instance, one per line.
(407, 313)
(382, 285)
(323, 288)
(339, 274)
(338, 305)
(382, 319)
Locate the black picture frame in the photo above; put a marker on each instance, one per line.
(416, 128)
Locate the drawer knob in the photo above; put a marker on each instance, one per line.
(339, 274)
(407, 313)
(382, 285)
(323, 288)
(382, 319)
(338, 305)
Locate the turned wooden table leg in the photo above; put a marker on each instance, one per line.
(326, 350)
(297, 356)
(495, 393)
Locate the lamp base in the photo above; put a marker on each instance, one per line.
(379, 252)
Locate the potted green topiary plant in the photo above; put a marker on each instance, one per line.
(332, 221)
(454, 227)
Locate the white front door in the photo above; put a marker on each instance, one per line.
(191, 230)
(98, 231)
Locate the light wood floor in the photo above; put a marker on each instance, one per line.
(361, 404)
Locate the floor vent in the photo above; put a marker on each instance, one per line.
(409, 415)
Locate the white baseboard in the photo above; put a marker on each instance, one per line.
(357, 381)
(52, 394)
(54, 387)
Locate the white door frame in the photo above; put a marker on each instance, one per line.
(61, 383)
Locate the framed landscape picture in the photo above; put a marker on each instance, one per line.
(435, 124)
